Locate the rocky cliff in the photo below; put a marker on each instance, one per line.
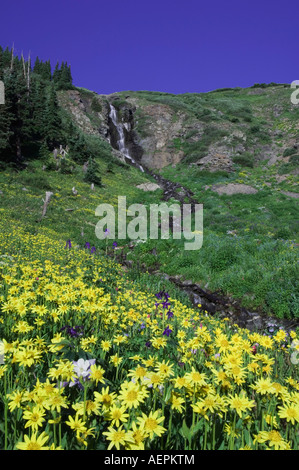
(212, 130)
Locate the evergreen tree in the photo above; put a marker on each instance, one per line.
(38, 101)
(31, 122)
(56, 74)
(47, 71)
(6, 58)
(62, 76)
(1, 63)
(43, 69)
(17, 104)
(66, 80)
(5, 131)
(37, 64)
(78, 147)
(91, 175)
(53, 123)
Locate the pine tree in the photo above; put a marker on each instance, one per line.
(53, 123)
(43, 69)
(78, 147)
(56, 74)
(91, 175)
(5, 131)
(1, 63)
(62, 77)
(38, 100)
(18, 106)
(66, 77)
(47, 71)
(6, 58)
(37, 63)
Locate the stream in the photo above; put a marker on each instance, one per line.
(214, 303)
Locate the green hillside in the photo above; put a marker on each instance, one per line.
(211, 144)
(99, 348)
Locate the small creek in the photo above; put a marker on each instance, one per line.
(212, 302)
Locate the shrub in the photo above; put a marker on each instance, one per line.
(289, 151)
(244, 159)
(254, 129)
(91, 175)
(223, 257)
(66, 166)
(294, 160)
(96, 105)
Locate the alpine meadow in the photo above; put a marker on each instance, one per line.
(115, 334)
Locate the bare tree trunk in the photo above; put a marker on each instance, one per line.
(49, 194)
(12, 56)
(28, 72)
(24, 68)
(18, 149)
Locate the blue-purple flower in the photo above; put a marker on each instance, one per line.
(68, 244)
(169, 314)
(165, 304)
(73, 331)
(162, 294)
(167, 331)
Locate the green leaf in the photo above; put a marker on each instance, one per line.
(185, 431)
(195, 428)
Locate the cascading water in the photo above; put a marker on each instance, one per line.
(121, 140)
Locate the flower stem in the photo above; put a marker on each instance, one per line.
(5, 413)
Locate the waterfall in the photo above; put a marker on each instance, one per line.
(121, 136)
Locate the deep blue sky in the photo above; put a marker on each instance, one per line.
(159, 45)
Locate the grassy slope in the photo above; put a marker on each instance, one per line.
(250, 241)
(255, 263)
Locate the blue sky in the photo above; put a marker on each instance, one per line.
(173, 46)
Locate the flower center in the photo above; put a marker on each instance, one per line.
(132, 395)
(33, 446)
(151, 424)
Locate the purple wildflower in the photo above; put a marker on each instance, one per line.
(74, 332)
(161, 294)
(167, 331)
(169, 314)
(68, 244)
(165, 304)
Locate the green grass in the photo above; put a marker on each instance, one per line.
(250, 241)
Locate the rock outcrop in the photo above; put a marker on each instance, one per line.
(162, 129)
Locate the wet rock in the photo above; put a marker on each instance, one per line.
(208, 306)
(187, 283)
(196, 299)
(148, 186)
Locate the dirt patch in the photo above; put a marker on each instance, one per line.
(290, 194)
(233, 188)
